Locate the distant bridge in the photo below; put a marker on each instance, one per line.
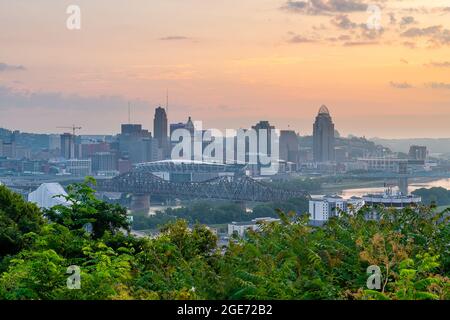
(240, 188)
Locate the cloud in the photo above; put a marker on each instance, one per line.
(392, 19)
(443, 64)
(342, 21)
(8, 67)
(174, 38)
(407, 21)
(438, 85)
(437, 35)
(409, 44)
(362, 34)
(400, 85)
(343, 37)
(11, 98)
(296, 6)
(420, 32)
(360, 43)
(300, 39)
(324, 7)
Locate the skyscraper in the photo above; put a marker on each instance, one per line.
(264, 125)
(418, 152)
(289, 146)
(189, 125)
(160, 129)
(137, 144)
(323, 136)
(67, 146)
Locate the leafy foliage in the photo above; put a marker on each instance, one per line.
(17, 218)
(438, 196)
(207, 212)
(86, 210)
(289, 259)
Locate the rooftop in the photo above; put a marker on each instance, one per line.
(324, 110)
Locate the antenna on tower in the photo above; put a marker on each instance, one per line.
(167, 102)
(129, 113)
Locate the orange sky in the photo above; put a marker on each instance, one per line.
(228, 63)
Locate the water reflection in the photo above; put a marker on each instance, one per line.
(359, 192)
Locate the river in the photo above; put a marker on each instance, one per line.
(414, 185)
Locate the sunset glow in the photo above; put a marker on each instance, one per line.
(227, 63)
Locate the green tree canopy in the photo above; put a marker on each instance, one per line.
(17, 218)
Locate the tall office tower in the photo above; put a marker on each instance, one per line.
(266, 126)
(68, 146)
(160, 130)
(137, 144)
(323, 136)
(189, 125)
(289, 146)
(418, 152)
(132, 129)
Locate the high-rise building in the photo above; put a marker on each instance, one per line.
(418, 152)
(264, 125)
(323, 136)
(8, 149)
(189, 125)
(135, 143)
(68, 146)
(104, 161)
(160, 130)
(79, 167)
(128, 128)
(89, 149)
(54, 141)
(289, 146)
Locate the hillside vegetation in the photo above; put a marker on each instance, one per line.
(287, 260)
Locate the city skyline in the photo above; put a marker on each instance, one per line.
(276, 60)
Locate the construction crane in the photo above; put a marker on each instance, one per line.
(73, 127)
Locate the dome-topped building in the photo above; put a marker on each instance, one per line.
(323, 136)
(324, 110)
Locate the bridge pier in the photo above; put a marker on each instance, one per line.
(403, 185)
(140, 202)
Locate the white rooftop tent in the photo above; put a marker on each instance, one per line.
(46, 195)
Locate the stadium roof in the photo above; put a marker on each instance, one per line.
(188, 166)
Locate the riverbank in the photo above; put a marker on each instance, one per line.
(359, 188)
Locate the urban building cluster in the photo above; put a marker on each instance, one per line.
(324, 152)
(325, 207)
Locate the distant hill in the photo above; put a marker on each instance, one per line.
(33, 141)
(402, 145)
